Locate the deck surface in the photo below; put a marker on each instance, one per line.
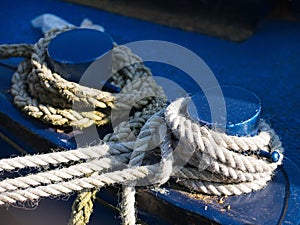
(266, 64)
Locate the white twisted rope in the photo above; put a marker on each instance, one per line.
(150, 136)
(195, 156)
(78, 184)
(229, 172)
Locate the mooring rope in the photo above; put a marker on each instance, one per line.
(45, 95)
(168, 143)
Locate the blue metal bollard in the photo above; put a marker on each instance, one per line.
(242, 110)
(242, 113)
(72, 52)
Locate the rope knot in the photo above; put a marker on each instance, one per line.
(156, 144)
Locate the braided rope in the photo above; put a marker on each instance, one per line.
(236, 173)
(54, 158)
(47, 96)
(214, 163)
(151, 135)
(82, 208)
(77, 184)
(16, 50)
(86, 175)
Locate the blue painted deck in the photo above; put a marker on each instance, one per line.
(266, 64)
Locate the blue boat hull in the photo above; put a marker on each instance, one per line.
(266, 64)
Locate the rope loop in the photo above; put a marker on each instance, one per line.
(155, 144)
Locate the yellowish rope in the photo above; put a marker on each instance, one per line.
(47, 96)
(82, 208)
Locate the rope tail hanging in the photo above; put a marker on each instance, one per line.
(215, 163)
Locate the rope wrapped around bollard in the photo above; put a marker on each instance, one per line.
(197, 157)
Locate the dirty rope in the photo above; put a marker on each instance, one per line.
(156, 144)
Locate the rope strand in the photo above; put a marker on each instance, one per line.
(158, 142)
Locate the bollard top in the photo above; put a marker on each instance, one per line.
(72, 52)
(79, 45)
(242, 110)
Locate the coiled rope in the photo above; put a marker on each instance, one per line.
(196, 157)
(45, 95)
